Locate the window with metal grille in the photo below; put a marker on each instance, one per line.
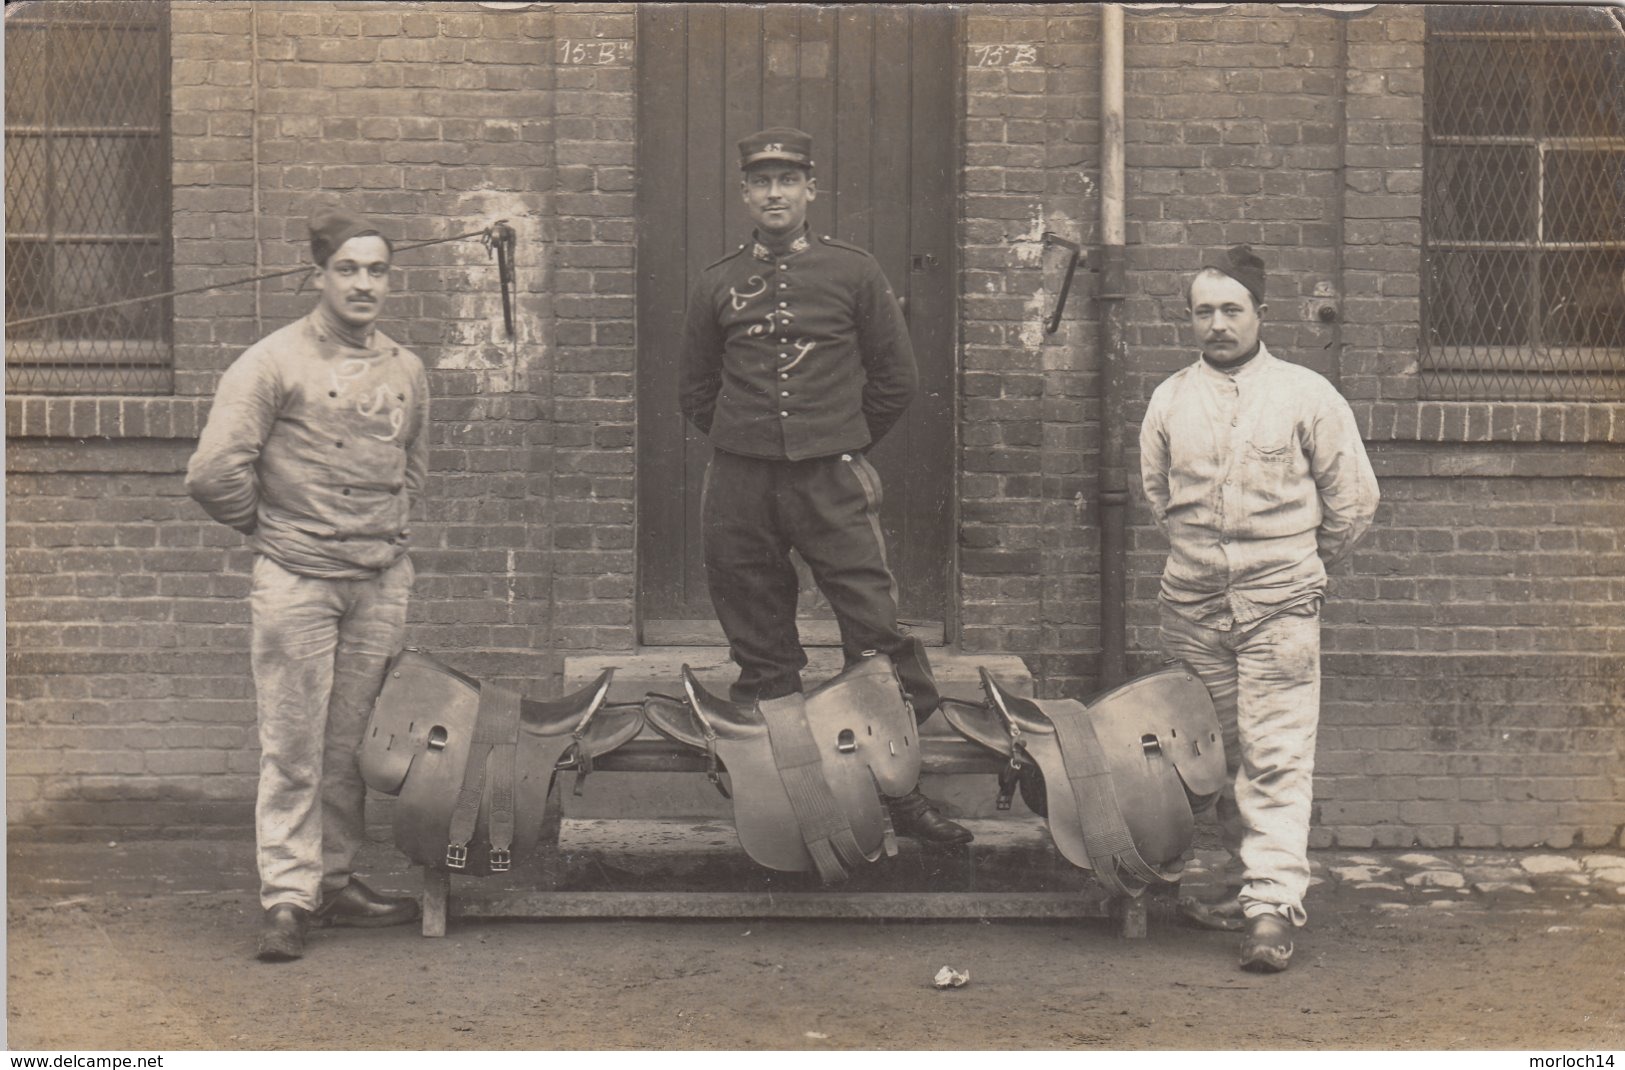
(87, 197)
(1524, 234)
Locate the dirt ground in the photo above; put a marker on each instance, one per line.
(167, 965)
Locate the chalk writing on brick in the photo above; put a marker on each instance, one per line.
(1004, 55)
(595, 53)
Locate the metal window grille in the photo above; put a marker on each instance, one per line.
(1524, 234)
(88, 196)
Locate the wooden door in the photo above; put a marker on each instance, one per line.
(875, 87)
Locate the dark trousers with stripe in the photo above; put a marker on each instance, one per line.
(753, 513)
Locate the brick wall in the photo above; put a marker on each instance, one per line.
(1027, 543)
(594, 398)
(130, 701)
(1473, 692)
(1473, 655)
(1474, 688)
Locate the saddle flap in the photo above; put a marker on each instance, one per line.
(1060, 806)
(418, 697)
(832, 793)
(444, 707)
(863, 716)
(1168, 717)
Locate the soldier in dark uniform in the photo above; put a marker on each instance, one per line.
(795, 360)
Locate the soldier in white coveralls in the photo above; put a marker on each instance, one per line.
(1255, 471)
(316, 448)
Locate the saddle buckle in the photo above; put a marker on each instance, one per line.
(501, 860)
(456, 855)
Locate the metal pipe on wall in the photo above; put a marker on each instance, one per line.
(1113, 482)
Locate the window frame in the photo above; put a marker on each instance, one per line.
(91, 365)
(1536, 368)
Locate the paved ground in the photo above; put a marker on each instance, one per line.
(148, 945)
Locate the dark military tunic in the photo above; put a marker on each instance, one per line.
(793, 363)
(798, 355)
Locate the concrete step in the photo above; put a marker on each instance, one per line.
(689, 795)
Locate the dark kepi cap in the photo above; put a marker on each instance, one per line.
(330, 228)
(776, 143)
(1243, 265)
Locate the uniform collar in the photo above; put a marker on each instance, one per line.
(378, 341)
(329, 327)
(1262, 359)
(762, 251)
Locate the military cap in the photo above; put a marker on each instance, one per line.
(330, 228)
(776, 143)
(1243, 265)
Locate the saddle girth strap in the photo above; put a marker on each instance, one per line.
(823, 824)
(492, 748)
(1106, 835)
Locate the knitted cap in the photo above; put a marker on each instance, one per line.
(330, 228)
(1243, 265)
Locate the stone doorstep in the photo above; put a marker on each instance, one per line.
(652, 795)
(659, 668)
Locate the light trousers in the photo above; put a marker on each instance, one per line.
(320, 648)
(1265, 681)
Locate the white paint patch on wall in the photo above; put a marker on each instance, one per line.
(476, 338)
(1030, 251)
(1029, 244)
(1032, 319)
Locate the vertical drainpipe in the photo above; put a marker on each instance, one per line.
(1113, 483)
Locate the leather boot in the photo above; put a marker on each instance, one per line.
(915, 815)
(283, 937)
(1267, 947)
(359, 907)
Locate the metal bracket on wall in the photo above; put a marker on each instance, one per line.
(500, 241)
(1052, 238)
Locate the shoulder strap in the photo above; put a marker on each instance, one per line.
(723, 259)
(839, 244)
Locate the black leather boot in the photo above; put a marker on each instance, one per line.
(283, 937)
(360, 907)
(915, 815)
(1267, 947)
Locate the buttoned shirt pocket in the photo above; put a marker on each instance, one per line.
(1268, 454)
(1275, 482)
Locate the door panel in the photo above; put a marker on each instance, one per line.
(875, 87)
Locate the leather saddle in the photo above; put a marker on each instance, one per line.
(473, 764)
(806, 772)
(1119, 779)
